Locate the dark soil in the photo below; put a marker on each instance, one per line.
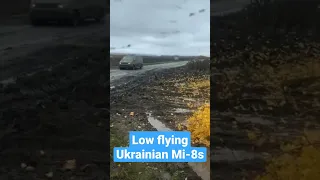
(151, 92)
(263, 80)
(49, 57)
(60, 112)
(14, 7)
(56, 114)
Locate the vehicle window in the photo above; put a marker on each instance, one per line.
(127, 59)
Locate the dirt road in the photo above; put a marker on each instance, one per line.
(21, 44)
(117, 74)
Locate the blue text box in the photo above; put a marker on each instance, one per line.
(156, 146)
(196, 154)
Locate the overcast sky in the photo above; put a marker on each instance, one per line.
(160, 27)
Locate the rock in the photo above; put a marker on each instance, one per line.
(42, 153)
(70, 165)
(49, 174)
(23, 165)
(301, 45)
(29, 168)
(166, 176)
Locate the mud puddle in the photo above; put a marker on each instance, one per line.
(199, 168)
(181, 111)
(156, 123)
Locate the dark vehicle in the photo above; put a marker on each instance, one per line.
(131, 62)
(73, 11)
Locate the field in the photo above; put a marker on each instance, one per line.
(266, 86)
(156, 101)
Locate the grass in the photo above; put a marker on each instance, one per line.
(199, 65)
(127, 171)
(198, 87)
(139, 171)
(295, 84)
(270, 82)
(299, 161)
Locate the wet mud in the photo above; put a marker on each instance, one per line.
(156, 105)
(262, 81)
(54, 109)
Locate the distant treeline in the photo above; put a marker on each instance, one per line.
(114, 60)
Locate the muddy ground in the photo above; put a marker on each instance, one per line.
(265, 82)
(54, 109)
(14, 7)
(157, 105)
(49, 110)
(55, 115)
(57, 110)
(54, 102)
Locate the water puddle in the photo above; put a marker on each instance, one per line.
(181, 110)
(226, 154)
(199, 168)
(189, 99)
(156, 123)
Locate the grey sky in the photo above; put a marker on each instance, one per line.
(160, 27)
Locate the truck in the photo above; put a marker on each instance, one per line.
(72, 11)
